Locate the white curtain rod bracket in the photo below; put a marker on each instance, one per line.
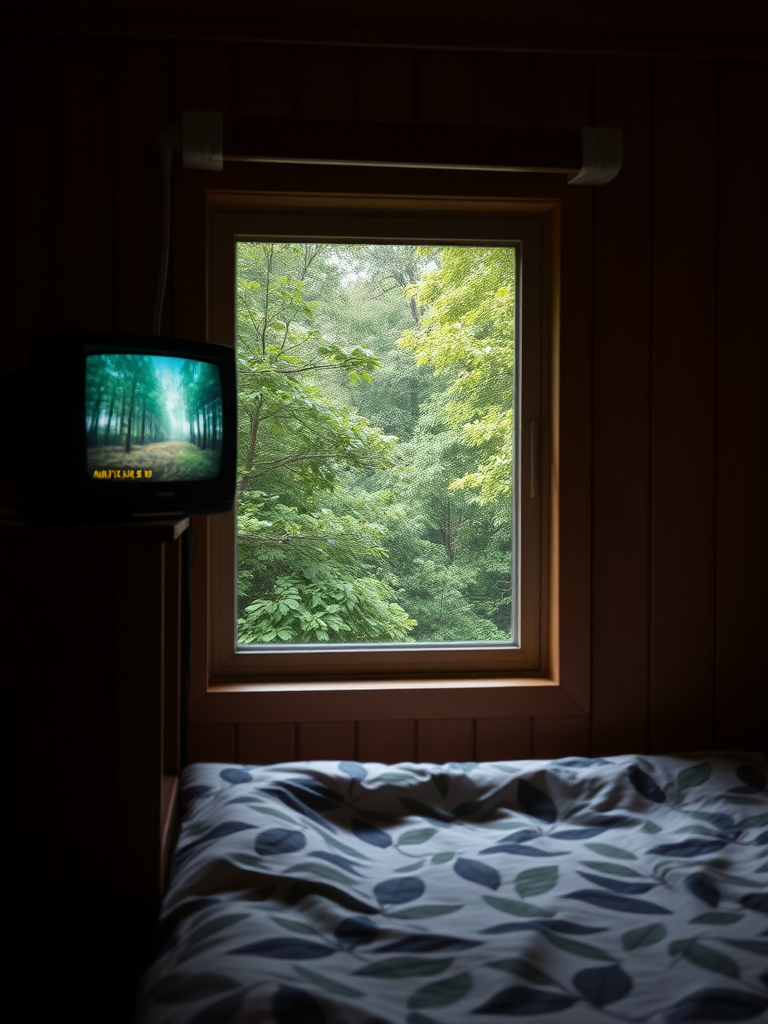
(602, 152)
(201, 141)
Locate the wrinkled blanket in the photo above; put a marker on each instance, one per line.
(573, 891)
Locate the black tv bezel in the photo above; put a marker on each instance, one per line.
(64, 491)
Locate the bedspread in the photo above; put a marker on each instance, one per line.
(573, 891)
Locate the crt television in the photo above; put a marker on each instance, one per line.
(127, 426)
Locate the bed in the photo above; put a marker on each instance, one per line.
(573, 891)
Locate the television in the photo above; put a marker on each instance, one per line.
(129, 426)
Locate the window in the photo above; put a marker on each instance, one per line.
(301, 351)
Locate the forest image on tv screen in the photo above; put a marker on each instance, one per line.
(152, 418)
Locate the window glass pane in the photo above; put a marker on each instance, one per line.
(376, 495)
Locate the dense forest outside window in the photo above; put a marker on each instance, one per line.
(377, 501)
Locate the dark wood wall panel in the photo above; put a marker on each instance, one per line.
(270, 743)
(262, 80)
(326, 741)
(683, 397)
(446, 87)
(386, 85)
(324, 83)
(562, 91)
(561, 736)
(449, 739)
(388, 742)
(503, 87)
(211, 743)
(741, 698)
(81, 233)
(142, 109)
(621, 417)
(503, 739)
(25, 65)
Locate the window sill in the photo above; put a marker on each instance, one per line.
(227, 700)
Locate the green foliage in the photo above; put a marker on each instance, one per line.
(373, 496)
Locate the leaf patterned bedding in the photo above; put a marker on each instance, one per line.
(573, 891)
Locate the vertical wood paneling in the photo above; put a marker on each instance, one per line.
(561, 737)
(324, 80)
(388, 742)
(562, 91)
(211, 743)
(503, 90)
(741, 699)
(203, 77)
(326, 741)
(683, 398)
(263, 80)
(503, 739)
(82, 184)
(446, 87)
(142, 111)
(268, 743)
(621, 469)
(25, 66)
(563, 99)
(449, 739)
(386, 89)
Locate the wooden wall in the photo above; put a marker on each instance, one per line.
(677, 365)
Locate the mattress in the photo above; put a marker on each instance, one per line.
(573, 891)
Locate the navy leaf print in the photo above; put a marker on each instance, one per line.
(716, 1004)
(624, 904)
(353, 769)
(648, 935)
(535, 803)
(755, 901)
(627, 888)
(303, 888)
(443, 992)
(645, 785)
(475, 871)
(696, 775)
(404, 967)
(521, 836)
(520, 850)
(752, 778)
(521, 1001)
(690, 847)
(535, 881)
(285, 949)
(235, 775)
(295, 1006)
(577, 833)
(398, 890)
(701, 885)
(369, 834)
(338, 860)
(564, 927)
(226, 828)
(290, 799)
(440, 818)
(704, 956)
(427, 944)
(280, 840)
(603, 985)
(355, 931)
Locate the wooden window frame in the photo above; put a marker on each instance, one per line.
(230, 685)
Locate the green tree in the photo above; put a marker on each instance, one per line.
(312, 568)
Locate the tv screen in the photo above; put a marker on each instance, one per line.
(152, 418)
(130, 426)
